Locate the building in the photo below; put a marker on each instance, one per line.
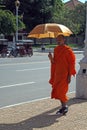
(72, 4)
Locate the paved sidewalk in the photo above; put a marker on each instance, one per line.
(40, 115)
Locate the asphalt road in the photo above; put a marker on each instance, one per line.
(26, 79)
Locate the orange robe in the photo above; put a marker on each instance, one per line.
(64, 64)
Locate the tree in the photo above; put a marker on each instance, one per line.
(2, 4)
(35, 11)
(74, 19)
(78, 19)
(8, 22)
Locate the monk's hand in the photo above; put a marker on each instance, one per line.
(69, 78)
(50, 56)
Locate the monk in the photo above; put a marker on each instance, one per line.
(62, 68)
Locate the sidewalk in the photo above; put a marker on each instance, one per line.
(40, 115)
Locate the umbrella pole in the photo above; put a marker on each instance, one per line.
(50, 40)
(49, 49)
(50, 44)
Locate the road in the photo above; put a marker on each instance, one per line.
(26, 79)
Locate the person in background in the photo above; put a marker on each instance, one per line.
(62, 68)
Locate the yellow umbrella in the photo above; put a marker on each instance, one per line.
(49, 30)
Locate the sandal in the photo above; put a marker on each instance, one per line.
(60, 111)
(63, 110)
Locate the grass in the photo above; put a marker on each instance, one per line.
(54, 45)
(73, 45)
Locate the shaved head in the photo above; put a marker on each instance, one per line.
(60, 39)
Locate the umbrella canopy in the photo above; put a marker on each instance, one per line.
(49, 30)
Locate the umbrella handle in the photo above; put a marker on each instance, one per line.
(49, 50)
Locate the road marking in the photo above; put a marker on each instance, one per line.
(7, 64)
(12, 85)
(33, 69)
(34, 100)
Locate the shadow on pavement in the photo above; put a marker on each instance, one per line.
(74, 100)
(39, 121)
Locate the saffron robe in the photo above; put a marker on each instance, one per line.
(63, 65)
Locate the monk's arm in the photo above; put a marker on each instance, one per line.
(71, 61)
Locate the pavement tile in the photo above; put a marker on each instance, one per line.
(40, 115)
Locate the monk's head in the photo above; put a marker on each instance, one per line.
(60, 40)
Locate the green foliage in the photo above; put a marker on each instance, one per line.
(7, 25)
(8, 22)
(78, 19)
(36, 12)
(74, 19)
(1, 1)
